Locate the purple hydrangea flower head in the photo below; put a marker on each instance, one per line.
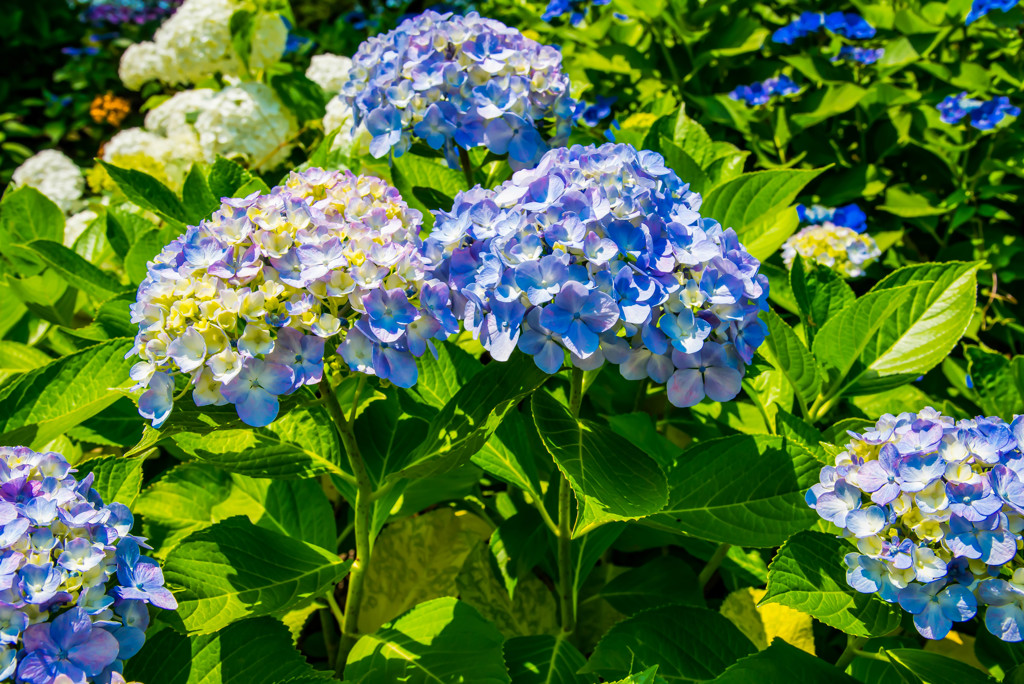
(981, 114)
(116, 12)
(460, 81)
(59, 613)
(601, 253)
(980, 8)
(761, 93)
(943, 515)
(242, 306)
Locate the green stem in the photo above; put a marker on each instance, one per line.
(330, 630)
(467, 167)
(565, 582)
(852, 650)
(709, 570)
(362, 515)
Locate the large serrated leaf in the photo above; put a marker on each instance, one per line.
(545, 659)
(809, 575)
(746, 490)
(438, 641)
(76, 271)
(235, 570)
(782, 662)
(612, 478)
(788, 353)
(148, 193)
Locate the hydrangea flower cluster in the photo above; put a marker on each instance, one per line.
(846, 24)
(52, 173)
(195, 44)
(834, 239)
(982, 7)
(329, 71)
(757, 94)
(118, 12)
(243, 304)
(576, 9)
(75, 588)
(983, 115)
(460, 81)
(860, 55)
(602, 252)
(937, 508)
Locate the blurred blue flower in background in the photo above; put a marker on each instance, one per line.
(982, 7)
(983, 115)
(758, 94)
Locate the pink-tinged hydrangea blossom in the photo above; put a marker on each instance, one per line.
(243, 306)
(601, 252)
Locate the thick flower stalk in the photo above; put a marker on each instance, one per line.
(835, 239)
(601, 252)
(460, 82)
(758, 94)
(244, 304)
(936, 508)
(983, 115)
(76, 589)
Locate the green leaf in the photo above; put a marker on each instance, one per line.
(691, 644)
(826, 103)
(142, 251)
(197, 197)
(545, 659)
(412, 171)
(809, 575)
(76, 271)
(116, 478)
(910, 322)
(301, 443)
(16, 357)
(44, 403)
(789, 354)
(302, 96)
(648, 676)
(694, 139)
(820, 293)
(440, 379)
(509, 455)
(746, 490)
(148, 193)
(781, 662)
(241, 26)
(467, 421)
(227, 177)
(612, 478)
(439, 641)
(758, 206)
(932, 668)
(27, 214)
(994, 381)
(235, 570)
(417, 559)
(255, 651)
(660, 582)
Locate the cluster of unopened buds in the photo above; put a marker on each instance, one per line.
(242, 305)
(936, 508)
(74, 589)
(761, 93)
(835, 239)
(601, 252)
(460, 82)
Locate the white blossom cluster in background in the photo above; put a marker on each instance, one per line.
(52, 173)
(195, 44)
(330, 72)
(246, 120)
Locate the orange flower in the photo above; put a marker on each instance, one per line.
(109, 108)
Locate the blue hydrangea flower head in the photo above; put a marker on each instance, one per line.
(65, 607)
(980, 8)
(982, 115)
(858, 54)
(846, 24)
(460, 81)
(758, 94)
(849, 216)
(243, 306)
(576, 9)
(601, 254)
(936, 509)
(804, 25)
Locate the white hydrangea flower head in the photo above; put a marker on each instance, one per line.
(195, 44)
(174, 113)
(246, 120)
(76, 225)
(329, 71)
(842, 249)
(166, 159)
(52, 173)
(340, 117)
